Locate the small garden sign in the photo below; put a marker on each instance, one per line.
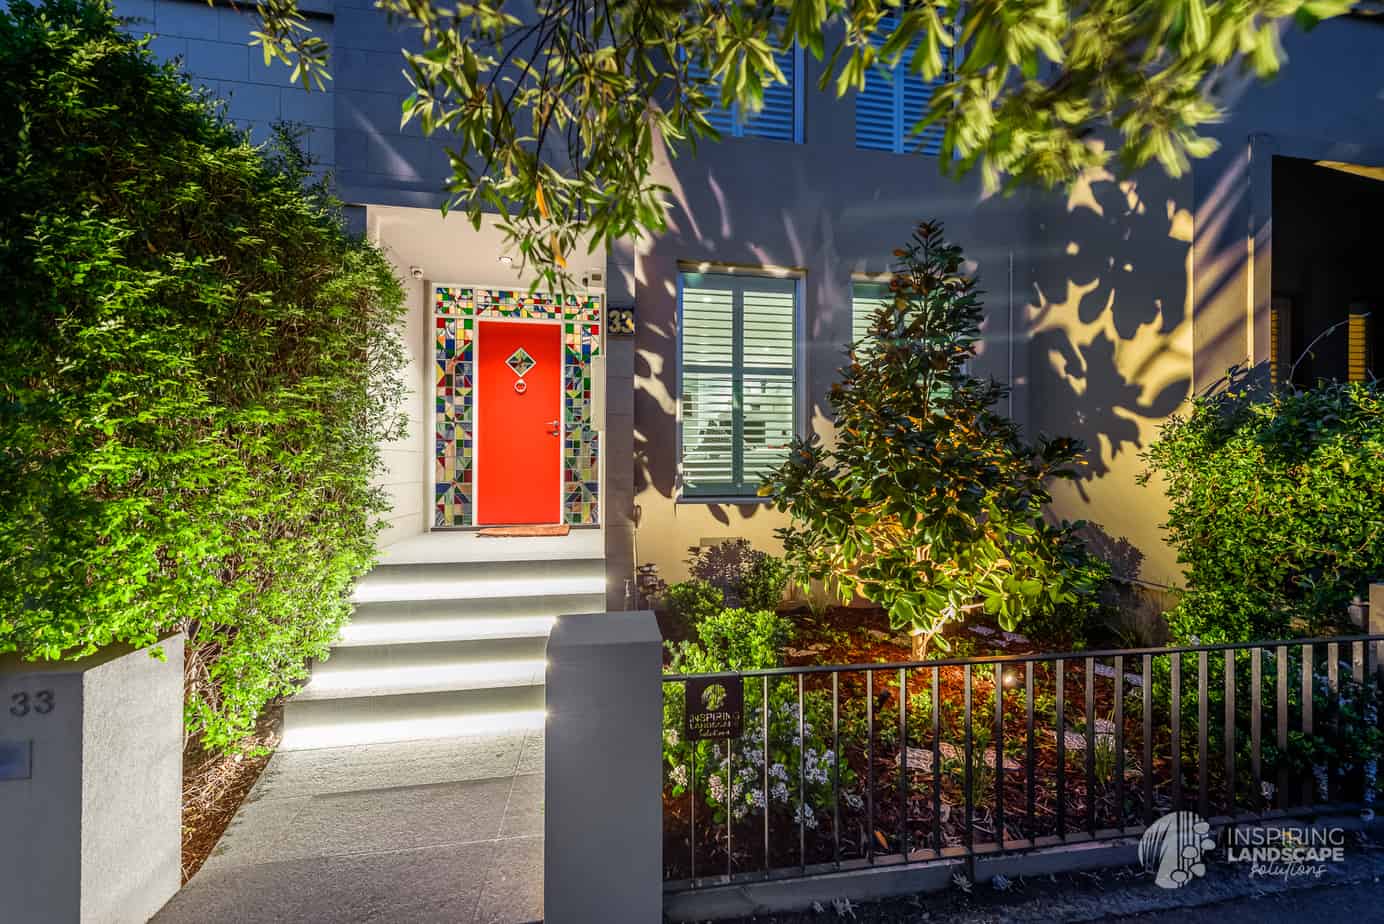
(715, 708)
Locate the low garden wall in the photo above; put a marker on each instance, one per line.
(91, 785)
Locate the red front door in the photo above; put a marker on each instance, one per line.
(518, 423)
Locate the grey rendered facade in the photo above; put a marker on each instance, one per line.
(1106, 307)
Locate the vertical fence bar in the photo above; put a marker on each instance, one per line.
(1147, 687)
(1175, 726)
(1228, 733)
(802, 780)
(1256, 710)
(999, 755)
(1308, 797)
(1281, 721)
(765, 743)
(1333, 681)
(1357, 674)
(1060, 723)
(1119, 742)
(936, 763)
(870, 766)
(1333, 699)
(903, 762)
(970, 802)
(1203, 719)
(1030, 754)
(1091, 746)
(730, 811)
(835, 771)
(692, 808)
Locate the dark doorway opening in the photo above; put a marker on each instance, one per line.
(1328, 271)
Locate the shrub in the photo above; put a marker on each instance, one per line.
(195, 374)
(1275, 506)
(734, 640)
(745, 575)
(689, 602)
(762, 584)
(930, 504)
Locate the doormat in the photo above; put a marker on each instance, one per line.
(561, 529)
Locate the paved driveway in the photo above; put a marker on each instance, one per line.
(445, 831)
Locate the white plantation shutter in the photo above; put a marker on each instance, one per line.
(777, 120)
(737, 369)
(865, 299)
(893, 101)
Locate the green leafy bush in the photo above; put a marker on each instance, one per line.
(930, 504)
(762, 584)
(746, 576)
(689, 602)
(194, 379)
(734, 640)
(1275, 506)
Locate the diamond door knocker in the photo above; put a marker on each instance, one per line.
(520, 363)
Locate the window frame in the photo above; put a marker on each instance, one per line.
(726, 494)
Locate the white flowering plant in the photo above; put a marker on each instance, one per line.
(731, 775)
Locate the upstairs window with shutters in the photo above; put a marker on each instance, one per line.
(737, 373)
(893, 101)
(779, 120)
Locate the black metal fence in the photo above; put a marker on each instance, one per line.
(838, 767)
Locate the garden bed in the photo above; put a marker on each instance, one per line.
(215, 784)
(860, 804)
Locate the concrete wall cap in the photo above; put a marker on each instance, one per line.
(578, 631)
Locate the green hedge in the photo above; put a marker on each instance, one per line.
(1277, 507)
(197, 369)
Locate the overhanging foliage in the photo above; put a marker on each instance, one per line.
(555, 111)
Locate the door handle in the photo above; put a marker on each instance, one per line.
(554, 430)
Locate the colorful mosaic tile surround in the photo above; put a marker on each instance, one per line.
(457, 309)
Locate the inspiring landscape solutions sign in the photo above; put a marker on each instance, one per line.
(715, 708)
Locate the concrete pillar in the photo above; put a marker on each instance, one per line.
(618, 448)
(603, 808)
(91, 786)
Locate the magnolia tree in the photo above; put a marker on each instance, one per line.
(929, 503)
(554, 110)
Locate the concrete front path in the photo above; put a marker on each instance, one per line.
(445, 831)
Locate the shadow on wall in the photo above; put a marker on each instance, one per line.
(1111, 327)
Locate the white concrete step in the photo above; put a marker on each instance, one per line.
(384, 670)
(337, 722)
(407, 621)
(482, 581)
(437, 650)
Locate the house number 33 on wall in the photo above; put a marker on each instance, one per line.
(39, 702)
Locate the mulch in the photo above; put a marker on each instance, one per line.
(215, 784)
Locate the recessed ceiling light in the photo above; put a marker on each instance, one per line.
(506, 259)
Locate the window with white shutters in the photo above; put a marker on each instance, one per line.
(893, 101)
(737, 372)
(865, 301)
(778, 120)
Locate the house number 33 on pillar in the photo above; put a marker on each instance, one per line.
(37, 702)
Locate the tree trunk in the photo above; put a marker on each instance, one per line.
(919, 645)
